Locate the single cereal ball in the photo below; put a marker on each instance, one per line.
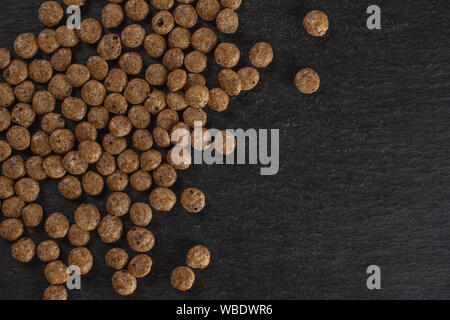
(94, 93)
(98, 117)
(51, 123)
(141, 214)
(225, 142)
(23, 250)
(56, 272)
(261, 55)
(163, 22)
(27, 189)
(90, 30)
(139, 117)
(137, 91)
(5, 58)
(53, 167)
(50, 13)
(61, 59)
(120, 126)
(156, 102)
(92, 183)
(35, 168)
(140, 239)
(98, 67)
(23, 115)
(5, 150)
(43, 102)
(57, 225)
(232, 4)
(6, 95)
(166, 119)
(70, 187)
(141, 180)
(114, 145)
(156, 74)
(198, 257)
(67, 37)
(193, 79)
(117, 181)
(82, 258)
(173, 59)
(307, 81)
(177, 101)
(180, 37)
(47, 41)
(116, 81)
(208, 9)
(137, 10)
(32, 215)
(155, 45)
(112, 15)
(179, 158)
(59, 87)
(195, 117)
(16, 72)
(124, 283)
(77, 75)
(55, 293)
(182, 278)
(116, 258)
(87, 217)
(110, 47)
(106, 165)
(11, 229)
(133, 36)
(142, 140)
(176, 80)
(201, 139)
(195, 62)
(118, 204)
(12, 207)
(185, 15)
(218, 100)
(110, 229)
(40, 71)
(14, 167)
(162, 137)
(227, 21)
(48, 251)
(5, 119)
(26, 45)
(6, 187)
(204, 40)
(74, 163)
(25, 91)
(140, 266)
(128, 161)
(162, 4)
(131, 63)
(227, 55)
(90, 151)
(150, 160)
(249, 78)
(116, 103)
(77, 236)
(85, 131)
(230, 82)
(316, 23)
(197, 96)
(162, 199)
(193, 200)
(74, 108)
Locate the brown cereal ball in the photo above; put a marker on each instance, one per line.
(23, 250)
(90, 151)
(74, 163)
(40, 71)
(195, 117)
(110, 229)
(110, 47)
(162, 199)
(193, 79)
(173, 59)
(55, 293)
(140, 239)
(77, 3)
(185, 15)
(94, 93)
(74, 108)
(59, 87)
(139, 117)
(204, 40)
(180, 134)
(227, 55)
(141, 214)
(150, 160)
(201, 139)
(208, 9)
(78, 75)
(116, 103)
(116, 81)
(52, 122)
(98, 117)
(23, 115)
(180, 37)
(47, 41)
(11, 229)
(6, 95)
(117, 181)
(166, 119)
(90, 30)
(116, 258)
(5, 58)
(98, 67)
(193, 200)
(163, 22)
(50, 13)
(128, 161)
(70, 187)
(182, 278)
(162, 4)
(218, 100)
(106, 165)
(26, 45)
(85, 132)
(61, 59)
(165, 175)
(316, 23)
(5, 119)
(25, 91)
(15, 73)
(124, 283)
(112, 16)
(6, 187)
(140, 266)
(176, 80)
(137, 91)
(114, 145)
(232, 4)
(179, 158)
(131, 63)
(230, 82)
(141, 180)
(48, 251)
(176, 101)
(195, 62)
(120, 126)
(57, 225)
(197, 96)
(62, 141)
(14, 167)
(43, 102)
(32, 215)
(12, 207)
(67, 37)
(249, 78)
(27, 189)
(142, 140)
(261, 55)
(198, 257)
(92, 183)
(82, 258)
(118, 204)
(35, 168)
(87, 217)
(137, 10)
(77, 236)
(133, 36)
(53, 167)
(156, 102)
(56, 272)
(5, 150)
(227, 21)
(156, 74)
(307, 81)
(225, 142)
(155, 45)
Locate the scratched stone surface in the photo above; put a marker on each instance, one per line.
(364, 166)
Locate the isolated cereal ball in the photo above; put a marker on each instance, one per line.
(141, 214)
(193, 200)
(182, 278)
(176, 80)
(155, 102)
(218, 100)
(201, 139)
(32, 215)
(61, 59)
(227, 55)
(307, 81)
(156, 74)
(162, 137)
(25, 91)
(162, 199)
(47, 41)
(116, 258)
(57, 225)
(137, 10)
(5, 58)
(23, 250)
(112, 15)
(116, 103)
(227, 21)
(77, 236)
(177, 101)
(55, 293)
(249, 78)
(316, 23)
(98, 117)
(139, 117)
(90, 151)
(74, 108)
(48, 251)
(87, 217)
(27, 189)
(50, 13)
(225, 142)
(124, 283)
(26, 45)
(140, 266)
(133, 36)
(118, 204)
(165, 176)
(70, 187)
(120, 126)
(166, 119)
(193, 79)
(142, 140)
(179, 158)
(82, 258)
(185, 15)
(261, 55)
(173, 59)
(43, 103)
(230, 82)
(56, 272)
(11, 229)
(198, 257)
(140, 239)
(110, 229)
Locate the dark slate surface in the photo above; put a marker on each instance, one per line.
(364, 173)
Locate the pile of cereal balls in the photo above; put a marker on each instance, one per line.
(110, 123)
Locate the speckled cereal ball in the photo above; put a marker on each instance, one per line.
(110, 47)
(176, 80)
(116, 103)
(166, 119)
(227, 21)
(180, 37)
(116, 81)
(57, 225)
(12, 207)
(124, 283)
(261, 55)
(249, 78)
(163, 22)
(82, 258)
(131, 63)
(90, 151)
(59, 87)
(120, 126)
(6, 95)
(47, 41)
(185, 15)
(98, 117)
(179, 158)
(155, 45)
(232, 4)
(162, 4)
(137, 91)
(114, 145)
(128, 161)
(118, 204)
(98, 67)
(77, 236)
(227, 55)
(106, 165)
(94, 93)
(110, 229)
(139, 117)
(56, 272)
(77, 3)
(162, 199)
(23, 115)
(25, 91)
(51, 123)
(70, 187)
(198, 257)
(218, 100)
(74, 163)
(230, 82)
(67, 37)
(6, 187)
(78, 75)
(5, 58)
(55, 293)
(137, 10)
(48, 251)
(195, 62)
(182, 278)
(141, 180)
(26, 45)
(5, 119)
(201, 140)
(193, 117)
(150, 160)
(32, 215)
(35, 168)
(208, 9)
(27, 189)
(11, 229)
(112, 15)
(85, 131)
(176, 101)
(141, 214)
(193, 79)
(133, 36)
(5, 150)
(90, 30)
(156, 74)
(116, 258)
(14, 167)
(92, 183)
(23, 250)
(61, 59)
(43, 102)
(140, 239)
(316, 23)
(225, 142)
(162, 137)
(142, 140)
(204, 40)
(16, 72)
(74, 108)
(50, 13)
(87, 217)
(197, 96)
(193, 200)
(307, 81)
(156, 102)
(173, 59)
(140, 266)
(53, 167)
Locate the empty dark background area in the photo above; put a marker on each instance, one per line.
(364, 176)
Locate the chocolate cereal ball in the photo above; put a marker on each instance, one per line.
(218, 100)
(110, 47)
(193, 79)
(208, 9)
(23, 250)
(14, 167)
(94, 93)
(48, 251)
(128, 161)
(307, 81)
(5, 119)
(47, 41)
(156, 102)
(5, 58)
(185, 15)
(90, 151)
(50, 13)
(177, 100)
(85, 131)
(55, 293)
(70, 187)
(232, 4)
(193, 200)
(35, 168)
(25, 91)
(141, 180)
(27, 189)
(156, 74)
(137, 91)
(142, 140)
(198, 257)
(249, 78)
(227, 21)
(11, 229)
(15, 73)
(66, 36)
(120, 126)
(87, 217)
(225, 142)
(40, 71)
(123, 282)
(106, 165)
(176, 80)
(204, 40)
(82, 258)
(162, 199)
(116, 258)
(32, 215)
(61, 59)
(6, 95)
(62, 141)
(26, 45)
(59, 87)
(163, 4)
(5, 150)
(6, 187)
(74, 108)
(162, 137)
(133, 36)
(23, 115)
(92, 183)
(197, 96)
(114, 145)
(201, 139)
(166, 119)
(131, 63)
(140, 266)
(155, 45)
(52, 122)
(12, 207)
(195, 62)
(90, 31)
(98, 67)
(77, 3)
(43, 102)
(77, 75)
(194, 117)
(117, 181)
(140, 239)
(53, 167)
(261, 55)
(118, 204)
(230, 82)
(173, 59)
(141, 214)
(56, 272)
(180, 37)
(139, 117)
(163, 22)
(98, 117)
(227, 55)
(182, 278)
(74, 163)
(110, 229)
(137, 10)
(116, 103)
(77, 236)
(112, 15)
(150, 160)
(57, 225)
(316, 23)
